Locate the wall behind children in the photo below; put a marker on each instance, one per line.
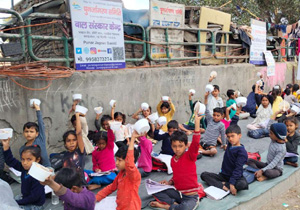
(130, 88)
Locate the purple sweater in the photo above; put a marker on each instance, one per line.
(85, 200)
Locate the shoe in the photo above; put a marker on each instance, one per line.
(199, 156)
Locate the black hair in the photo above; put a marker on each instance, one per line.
(105, 118)
(230, 92)
(275, 93)
(253, 88)
(219, 110)
(73, 119)
(292, 120)
(35, 150)
(31, 125)
(267, 97)
(66, 134)
(173, 124)
(165, 104)
(179, 136)
(102, 135)
(295, 87)
(122, 152)
(224, 109)
(150, 109)
(68, 177)
(117, 114)
(233, 129)
(216, 87)
(287, 92)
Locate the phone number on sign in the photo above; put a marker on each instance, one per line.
(98, 59)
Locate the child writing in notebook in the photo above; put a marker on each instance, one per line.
(128, 179)
(35, 135)
(292, 143)
(33, 193)
(103, 159)
(122, 136)
(231, 175)
(276, 153)
(67, 185)
(167, 109)
(184, 177)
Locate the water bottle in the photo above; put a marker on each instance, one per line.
(54, 199)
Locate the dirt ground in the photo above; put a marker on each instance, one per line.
(290, 198)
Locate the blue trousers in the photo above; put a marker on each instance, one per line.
(105, 179)
(258, 133)
(291, 159)
(28, 207)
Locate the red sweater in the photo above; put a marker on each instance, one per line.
(105, 159)
(184, 169)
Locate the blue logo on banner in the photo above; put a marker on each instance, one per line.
(86, 50)
(78, 50)
(109, 51)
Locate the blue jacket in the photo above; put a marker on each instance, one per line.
(33, 193)
(233, 162)
(40, 140)
(166, 144)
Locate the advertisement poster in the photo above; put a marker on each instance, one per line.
(171, 15)
(98, 34)
(259, 42)
(270, 63)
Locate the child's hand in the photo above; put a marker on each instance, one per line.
(97, 170)
(191, 94)
(165, 182)
(48, 181)
(36, 107)
(232, 189)
(5, 143)
(206, 95)
(158, 126)
(258, 173)
(169, 101)
(98, 116)
(114, 106)
(224, 147)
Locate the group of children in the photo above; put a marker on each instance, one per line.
(117, 152)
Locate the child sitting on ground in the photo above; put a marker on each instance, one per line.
(251, 103)
(277, 150)
(128, 179)
(166, 144)
(166, 109)
(231, 175)
(121, 135)
(67, 185)
(184, 173)
(292, 143)
(214, 101)
(103, 122)
(73, 142)
(215, 128)
(288, 96)
(231, 96)
(35, 135)
(145, 159)
(33, 193)
(103, 159)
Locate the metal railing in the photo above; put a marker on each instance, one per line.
(20, 36)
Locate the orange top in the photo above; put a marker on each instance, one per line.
(127, 183)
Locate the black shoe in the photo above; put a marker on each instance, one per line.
(199, 156)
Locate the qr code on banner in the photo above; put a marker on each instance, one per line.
(118, 53)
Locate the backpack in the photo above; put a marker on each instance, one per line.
(254, 156)
(158, 165)
(57, 160)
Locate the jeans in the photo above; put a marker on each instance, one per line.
(28, 207)
(101, 180)
(185, 202)
(290, 159)
(258, 133)
(216, 180)
(270, 173)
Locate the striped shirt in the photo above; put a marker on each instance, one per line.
(213, 131)
(275, 156)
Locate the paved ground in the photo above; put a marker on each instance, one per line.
(212, 164)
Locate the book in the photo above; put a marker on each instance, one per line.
(15, 172)
(153, 187)
(100, 173)
(215, 193)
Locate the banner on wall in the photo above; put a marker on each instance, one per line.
(171, 15)
(259, 42)
(98, 36)
(298, 70)
(270, 63)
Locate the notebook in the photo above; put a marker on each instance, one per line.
(108, 203)
(215, 193)
(155, 187)
(100, 173)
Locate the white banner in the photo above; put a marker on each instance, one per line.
(98, 34)
(166, 14)
(259, 42)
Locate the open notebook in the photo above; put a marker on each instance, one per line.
(215, 193)
(155, 187)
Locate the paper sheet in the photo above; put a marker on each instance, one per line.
(288, 154)
(155, 187)
(100, 173)
(17, 173)
(48, 189)
(108, 203)
(215, 193)
(167, 160)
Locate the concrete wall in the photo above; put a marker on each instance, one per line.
(129, 87)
